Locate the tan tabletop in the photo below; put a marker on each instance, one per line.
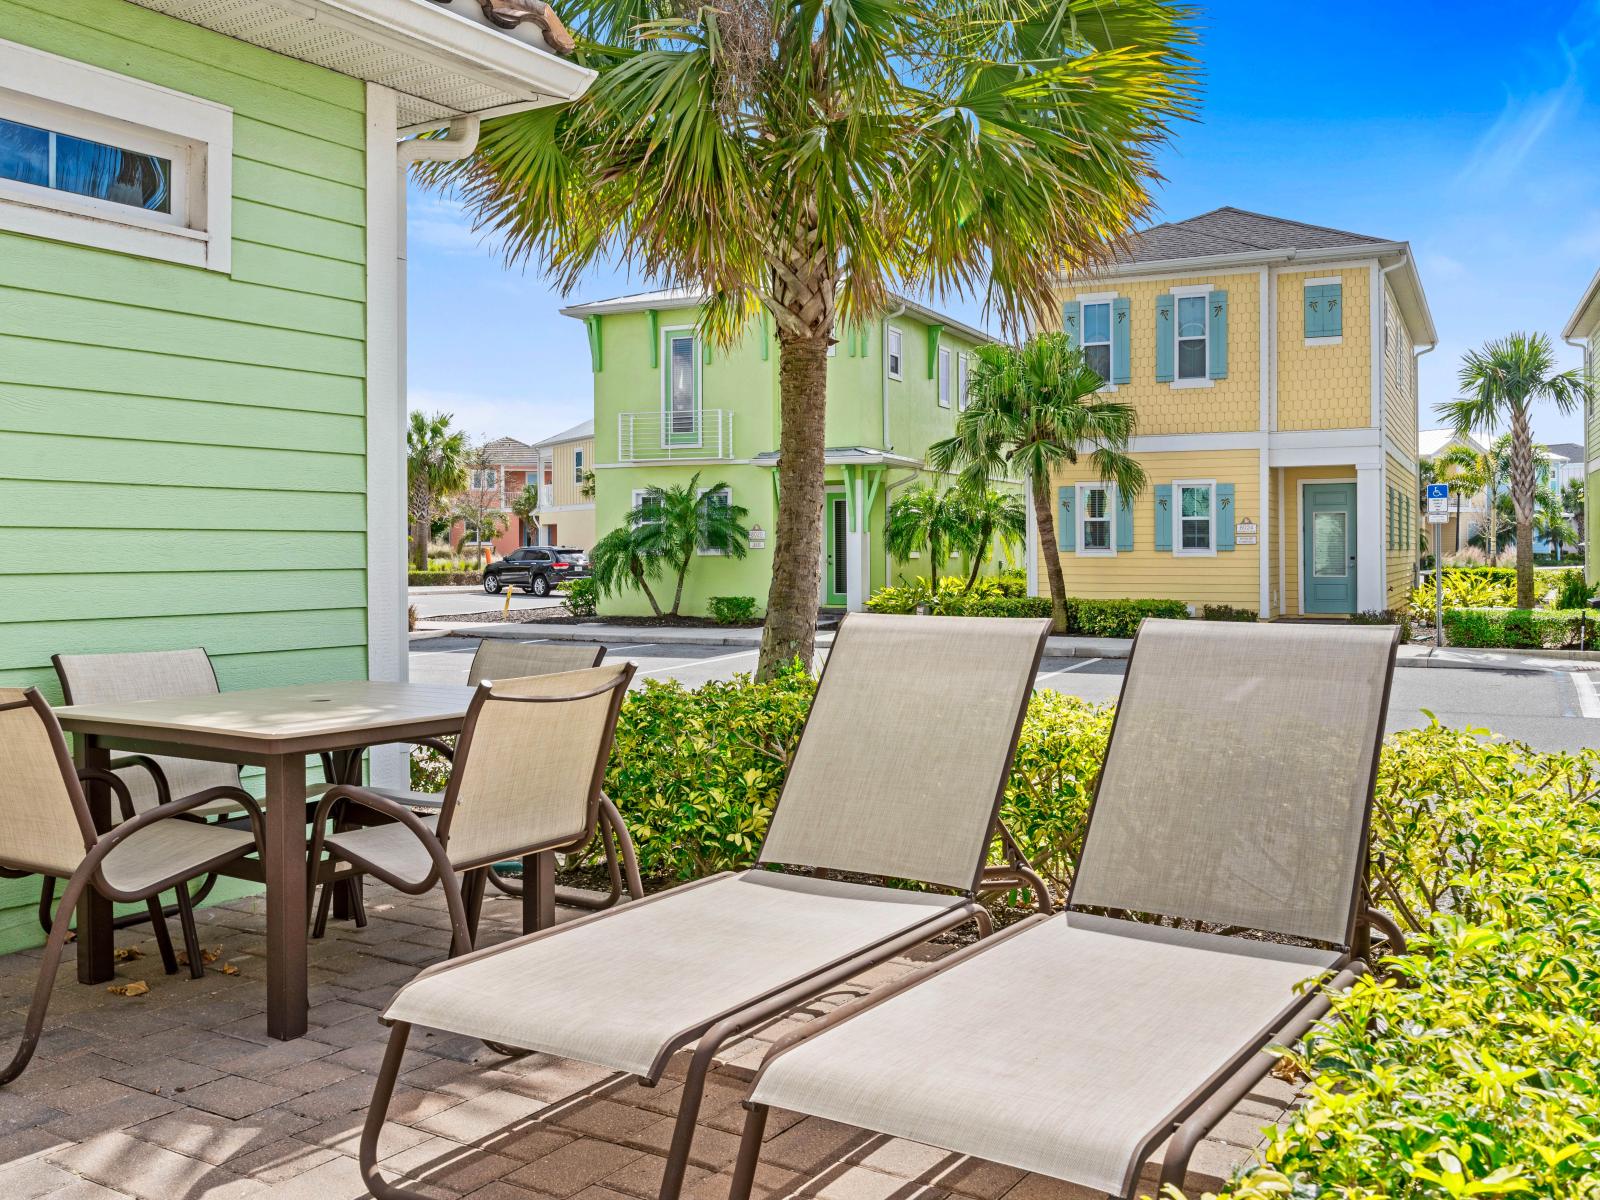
(274, 728)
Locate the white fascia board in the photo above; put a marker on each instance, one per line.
(1212, 263)
(1586, 317)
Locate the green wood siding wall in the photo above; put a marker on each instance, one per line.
(182, 452)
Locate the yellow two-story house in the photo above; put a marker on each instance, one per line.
(1273, 368)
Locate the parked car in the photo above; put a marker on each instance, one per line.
(536, 569)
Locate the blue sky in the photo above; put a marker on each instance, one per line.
(1470, 130)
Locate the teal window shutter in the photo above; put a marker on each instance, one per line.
(1066, 530)
(1163, 515)
(1124, 520)
(1313, 310)
(1218, 310)
(1164, 340)
(1333, 310)
(1121, 351)
(1072, 323)
(1388, 521)
(1226, 516)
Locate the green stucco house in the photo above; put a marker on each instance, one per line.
(1583, 331)
(202, 379)
(668, 404)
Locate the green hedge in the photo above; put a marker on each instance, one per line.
(1471, 1073)
(441, 578)
(1518, 628)
(1006, 597)
(1118, 618)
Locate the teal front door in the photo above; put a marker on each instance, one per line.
(836, 571)
(1328, 547)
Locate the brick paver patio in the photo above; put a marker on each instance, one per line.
(179, 1094)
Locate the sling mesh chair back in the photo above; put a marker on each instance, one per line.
(1235, 794)
(46, 828)
(500, 658)
(526, 780)
(898, 774)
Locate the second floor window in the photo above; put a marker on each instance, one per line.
(1097, 338)
(683, 423)
(961, 382)
(549, 470)
(1191, 337)
(484, 479)
(893, 357)
(577, 466)
(944, 378)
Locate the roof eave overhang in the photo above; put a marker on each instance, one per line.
(607, 308)
(1586, 317)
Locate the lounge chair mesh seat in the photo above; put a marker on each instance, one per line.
(1074, 1090)
(153, 854)
(613, 992)
(1235, 792)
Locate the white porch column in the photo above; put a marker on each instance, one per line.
(1031, 541)
(857, 543)
(1371, 569)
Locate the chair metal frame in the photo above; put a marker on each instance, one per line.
(89, 873)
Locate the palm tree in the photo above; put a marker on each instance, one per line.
(1551, 523)
(436, 466)
(1575, 499)
(1504, 381)
(1032, 410)
(526, 506)
(678, 522)
(619, 562)
(931, 519)
(994, 514)
(802, 158)
(1467, 472)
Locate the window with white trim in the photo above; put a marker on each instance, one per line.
(1192, 349)
(1096, 513)
(642, 503)
(894, 359)
(963, 365)
(1097, 337)
(577, 466)
(104, 160)
(484, 479)
(723, 498)
(1194, 516)
(944, 377)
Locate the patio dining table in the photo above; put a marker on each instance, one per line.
(276, 729)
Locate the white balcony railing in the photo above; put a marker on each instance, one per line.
(648, 436)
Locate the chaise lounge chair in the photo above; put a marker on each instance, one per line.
(1235, 797)
(898, 775)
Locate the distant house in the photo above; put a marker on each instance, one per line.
(1272, 366)
(1583, 329)
(559, 468)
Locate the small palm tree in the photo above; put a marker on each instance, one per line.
(1503, 382)
(675, 523)
(436, 466)
(1467, 472)
(1034, 409)
(1574, 499)
(994, 514)
(526, 505)
(931, 519)
(1551, 522)
(618, 562)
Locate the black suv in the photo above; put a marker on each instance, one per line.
(536, 569)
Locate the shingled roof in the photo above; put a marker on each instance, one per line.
(1235, 231)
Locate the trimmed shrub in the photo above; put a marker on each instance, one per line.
(583, 597)
(1226, 612)
(442, 578)
(1572, 591)
(1518, 628)
(991, 596)
(1385, 616)
(732, 610)
(1118, 618)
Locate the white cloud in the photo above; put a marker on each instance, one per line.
(485, 417)
(1522, 125)
(443, 224)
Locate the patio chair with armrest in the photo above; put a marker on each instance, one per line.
(898, 775)
(46, 829)
(500, 658)
(1235, 797)
(525, 782)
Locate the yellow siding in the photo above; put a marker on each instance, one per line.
(1399, 379)
(574, 526)
(1229, 577)
(1292, 478)
(1400, 561)
(565, 488)
(1228, 405)
(1325, 386)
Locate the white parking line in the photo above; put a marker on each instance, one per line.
(695, 662)
(1588, 700)
(1038, 680)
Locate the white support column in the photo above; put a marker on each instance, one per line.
(1031, 541)
(388, 643)
(858, 569)
(1371, 569)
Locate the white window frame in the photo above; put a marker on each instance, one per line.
(946, 374)
(1178, 548)
(1081, 516)
(1109, 300)
(480, 473)
(963, 381)
(577, 466)
(668, 335)
(1336, 339)
(700, 550)
(74, 98)
(1179, 293)
(894, 359)
(638, 499)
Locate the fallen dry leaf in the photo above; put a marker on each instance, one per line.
(1286, 1070)
(127, 953)
(137, 988)
(229, 969)
(208, 954)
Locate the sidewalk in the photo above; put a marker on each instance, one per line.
(1565, 661)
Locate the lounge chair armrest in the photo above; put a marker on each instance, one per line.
(392, 809)
(115, 783)
(1380, 921)
(157, 775)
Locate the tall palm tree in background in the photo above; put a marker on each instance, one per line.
(802, 157)
(436, 466)
(994, 515)
(1503, 382)
(1031, 410)
(928, 518)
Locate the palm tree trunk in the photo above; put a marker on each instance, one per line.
(677, 595)
(790, 631)
(1044, 517)
(980, 553)
(1458, 527)
(1522, 504)
(644, 586)
(934, 547)
(424, 531)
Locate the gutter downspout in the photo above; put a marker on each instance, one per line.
(883, 336)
